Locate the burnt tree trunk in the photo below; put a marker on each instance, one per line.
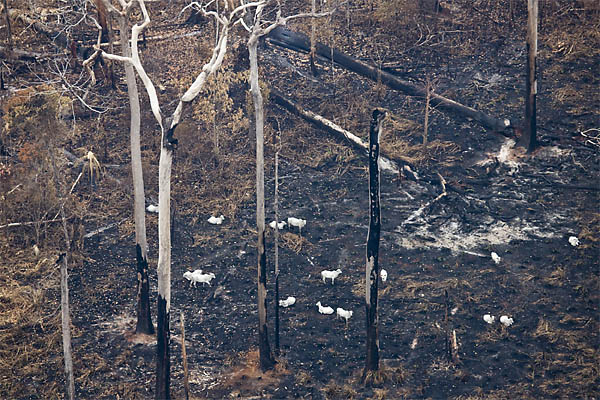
(372, 261)
(64, 283)
(8, 29)
(163, 363)
(267, 361)
(530, 98)
(276, 206)
(162, 344)
(299, 42)
(144, 320)
(313, 67)
(186, 382)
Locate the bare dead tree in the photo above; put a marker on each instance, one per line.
(186, 383)
(428, 89)
(276, 207)
(168, 144)
(313, 67)
(8, 30)
(372, 259)
(64, 283)
(144, 319)
(266, 357)
(530, 99)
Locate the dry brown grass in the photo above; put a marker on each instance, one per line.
(30, 339)
(333, 390)
(246, 377)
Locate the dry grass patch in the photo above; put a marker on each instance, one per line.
(246, 377)
(333, 390)
(30, 344)
(294, 242)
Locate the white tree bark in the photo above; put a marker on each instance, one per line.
(256, 31)
(168, 144)
(144, 320)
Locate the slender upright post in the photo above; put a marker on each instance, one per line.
(8, 29)
(530, 100)
(276, 252)
(313, 67)
(186, 383)
(66, 325)
(267, 361)
(64, 284)
(372, 261)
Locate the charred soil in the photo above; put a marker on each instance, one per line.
(498, 198)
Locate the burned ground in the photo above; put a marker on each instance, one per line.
(524, 207)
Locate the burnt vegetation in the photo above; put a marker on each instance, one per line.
(461, 192)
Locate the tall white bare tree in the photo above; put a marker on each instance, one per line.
(257, 30)
(225, 20)
(144, 320)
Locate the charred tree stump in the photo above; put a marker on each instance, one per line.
(144, 320)
(530, 99)
(299, 42)
(372, 260)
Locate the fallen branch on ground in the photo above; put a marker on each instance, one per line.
(14, 224)
(100, 230)
(299, 42)
(323, 123)
(419, 212)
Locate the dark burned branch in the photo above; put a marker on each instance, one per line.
(299, 42)
(21, 55)
(373, 236)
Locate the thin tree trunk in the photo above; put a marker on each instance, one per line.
(266, 357)
(144, 318)
(64, 286)
(277, 252)
(530, 99)
(427, 108)
(313, 67)
(186, 383)
(164, 270)
(8, 29)
(66, 324)
(372, 259)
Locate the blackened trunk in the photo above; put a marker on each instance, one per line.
(372, 261)
(277, 253)
(163, 361)
(266, 358)
(267, 361)
(530, 98)
(144, 320)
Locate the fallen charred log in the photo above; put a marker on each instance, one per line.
(288, 39)
(329, 126)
